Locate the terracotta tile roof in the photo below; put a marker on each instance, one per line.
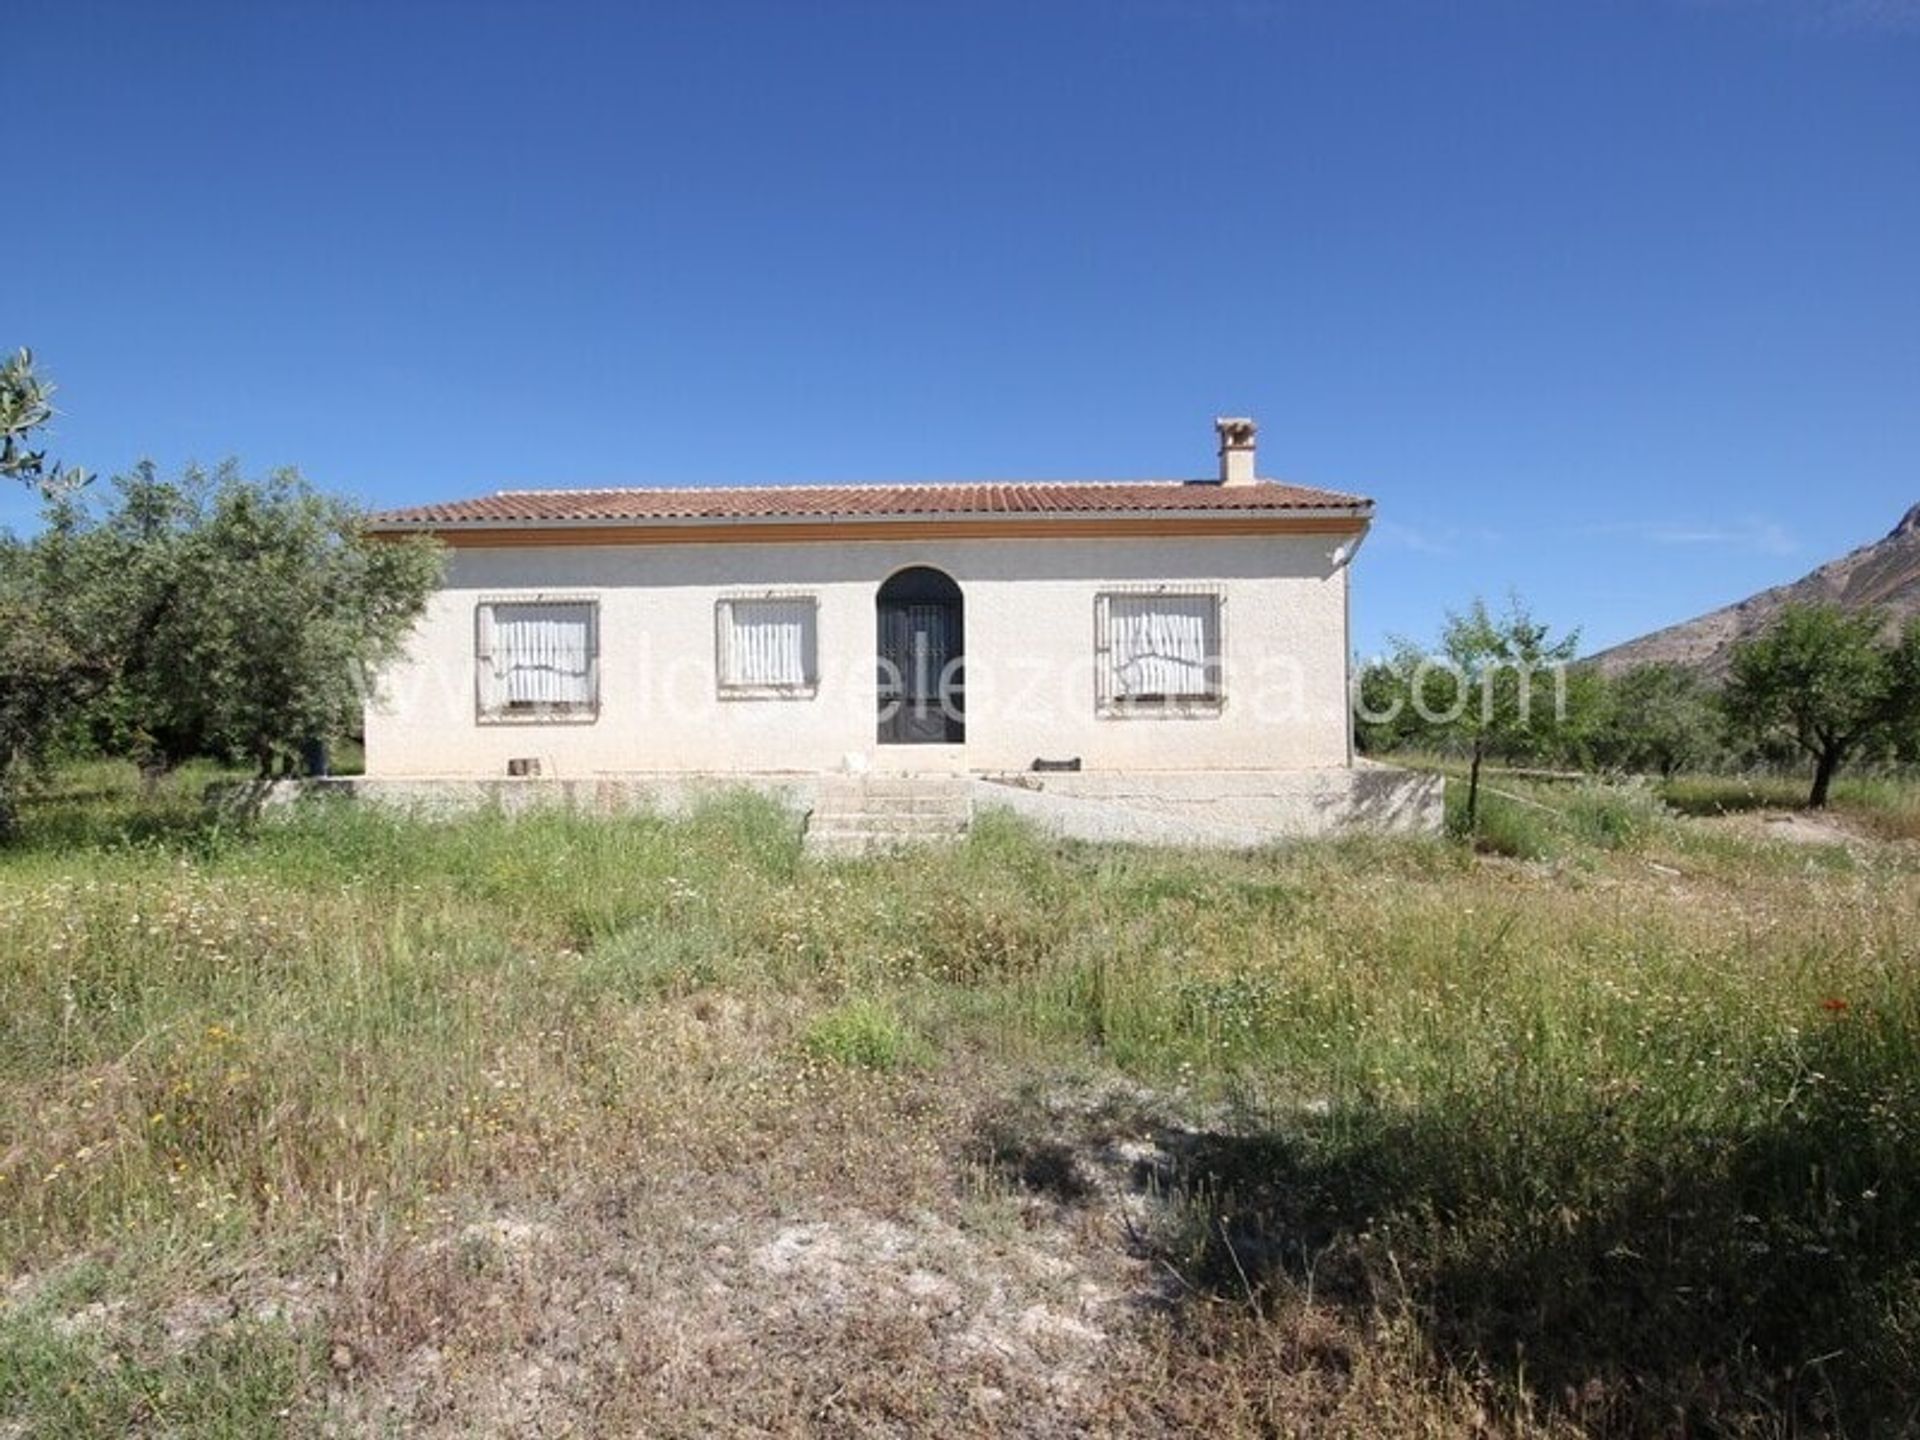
(866, 502)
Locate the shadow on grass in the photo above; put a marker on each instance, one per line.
(1886, 806)
(1036, 1164)
(1687, 1283)
(1732, 795)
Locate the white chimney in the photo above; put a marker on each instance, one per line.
(1236, 449)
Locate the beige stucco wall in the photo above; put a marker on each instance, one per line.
(1029, 618)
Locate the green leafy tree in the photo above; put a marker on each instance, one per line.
(1513, 676)
(208, 615)
(267, 606)
(47, 674)
(26, 404)
(1385, 721)
(1498, 686)
(47, 666)
(1659, 718)
(1824, 678)
(1903, 693)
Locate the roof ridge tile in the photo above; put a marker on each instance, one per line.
(868, 502)
(819, 485)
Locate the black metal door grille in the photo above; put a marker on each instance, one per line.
(921, 674)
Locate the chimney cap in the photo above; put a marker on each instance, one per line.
(1236, 449)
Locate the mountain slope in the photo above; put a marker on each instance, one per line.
(1885, 574)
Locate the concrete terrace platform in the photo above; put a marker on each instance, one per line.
(857, 814)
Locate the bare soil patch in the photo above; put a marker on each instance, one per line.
(691, 1301)
(1790, 827)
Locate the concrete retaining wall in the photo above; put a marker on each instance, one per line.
(1215, 808)
(438, 799)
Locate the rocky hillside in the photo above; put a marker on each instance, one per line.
(1885, 573)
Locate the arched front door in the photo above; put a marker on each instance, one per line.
(922, 669)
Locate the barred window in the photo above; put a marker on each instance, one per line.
(538, 659)
(768, 645)
(1158, 648)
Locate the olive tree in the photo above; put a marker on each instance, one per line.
(263, 603)
(26, 404)
(47, 668)
(212, 614)
(47, 674)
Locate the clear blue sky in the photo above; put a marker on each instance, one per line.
(1612, 302)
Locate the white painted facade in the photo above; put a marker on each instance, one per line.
(1029, 621)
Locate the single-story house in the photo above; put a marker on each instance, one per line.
(1110, 628)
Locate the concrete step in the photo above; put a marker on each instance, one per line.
(863, 814)
(880, 823)
(893, 790)
(886, 805)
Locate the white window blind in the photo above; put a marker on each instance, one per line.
(768, 644)
(1161, 647)
(538, 657)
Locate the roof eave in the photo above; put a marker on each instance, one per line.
(1359, 511)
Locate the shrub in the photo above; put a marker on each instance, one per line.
(1507, 827)
(1616, 817)
(866, 1034)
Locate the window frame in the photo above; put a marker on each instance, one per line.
(586, 713)
(726, 688)
(1110, 704)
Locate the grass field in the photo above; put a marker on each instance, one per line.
(568, 1125)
